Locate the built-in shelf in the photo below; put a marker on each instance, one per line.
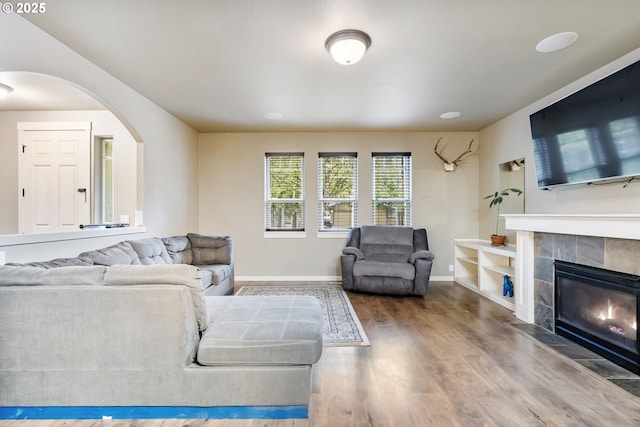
(481, 267)
(502, 269)
(469, 260)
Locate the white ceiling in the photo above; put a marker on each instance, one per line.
(222, 65)
(33, 91)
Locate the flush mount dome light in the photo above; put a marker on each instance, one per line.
(5, 90)
(450, 115)
(348, 46)
(273, 116)
(557, 42)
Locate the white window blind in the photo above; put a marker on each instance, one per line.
(284, 191)
(391, 181)
(337, 191)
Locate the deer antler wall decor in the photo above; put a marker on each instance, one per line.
(450, 166)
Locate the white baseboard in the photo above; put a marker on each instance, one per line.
(337, 279)
(441, 279)
(288, 279)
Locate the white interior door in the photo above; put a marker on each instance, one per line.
(54, 176)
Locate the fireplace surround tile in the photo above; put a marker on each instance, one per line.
(543, 245)
(577, 352)
(622, 255)
(607, 369)
(544, 316)
(549, 338)
(631, 385)
(543, 269)
(543, 292)
(565, 247)
(590, 251)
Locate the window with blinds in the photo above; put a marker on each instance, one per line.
(284, 191)
(337, 191)
(391, 181)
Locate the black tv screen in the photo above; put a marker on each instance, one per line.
(591, 135)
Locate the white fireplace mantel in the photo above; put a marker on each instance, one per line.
(603, 225)
(622, 226)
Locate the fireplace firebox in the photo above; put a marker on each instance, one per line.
(599, 309)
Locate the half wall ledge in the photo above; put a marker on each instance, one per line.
(27, 239)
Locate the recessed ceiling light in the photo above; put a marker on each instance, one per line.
(450, 115)
(273, 116)
(557, 42)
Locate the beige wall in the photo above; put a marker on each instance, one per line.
(510, 139)
(231, 192)
(225, 195)
(104, 123)
(170, 177)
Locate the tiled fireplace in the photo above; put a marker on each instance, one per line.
(603, 252)
(605, 241)
(609, 243)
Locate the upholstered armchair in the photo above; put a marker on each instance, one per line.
(387, 260)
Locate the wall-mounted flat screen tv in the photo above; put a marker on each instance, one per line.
(591, 135)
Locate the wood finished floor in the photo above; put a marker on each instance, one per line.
(451, 359)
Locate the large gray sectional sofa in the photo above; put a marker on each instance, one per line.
(125, 326)
(213, 255)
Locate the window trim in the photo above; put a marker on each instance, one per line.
(354, 194)
(408, 184)
(267, 200)
(107, 186)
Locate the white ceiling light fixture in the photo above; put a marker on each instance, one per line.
(348, 46)
(450, 115)
(273, 116)
(557, 42)
(5, 90)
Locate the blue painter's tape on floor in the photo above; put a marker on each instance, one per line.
(151, 412)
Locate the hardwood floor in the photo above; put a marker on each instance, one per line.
(451, 359)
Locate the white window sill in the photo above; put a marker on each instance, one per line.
(333, 235)
(285, 235)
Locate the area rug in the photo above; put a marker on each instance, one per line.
(341, 326)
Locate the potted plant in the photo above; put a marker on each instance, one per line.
(496, 200)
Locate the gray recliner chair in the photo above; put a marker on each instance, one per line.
(387, 260)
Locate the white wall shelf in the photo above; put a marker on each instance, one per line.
(481, 267)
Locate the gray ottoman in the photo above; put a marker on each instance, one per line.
(259, 330)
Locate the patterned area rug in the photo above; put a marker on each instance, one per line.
(341, 326)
